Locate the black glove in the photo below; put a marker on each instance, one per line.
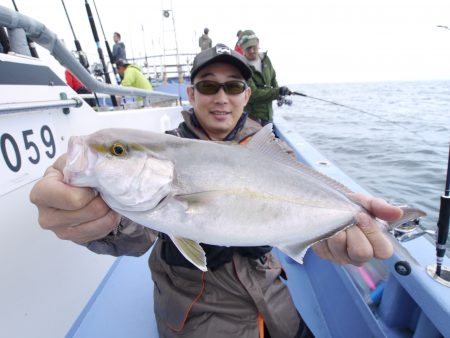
(284, 91)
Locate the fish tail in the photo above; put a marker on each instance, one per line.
(409, 214)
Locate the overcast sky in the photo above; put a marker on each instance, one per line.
(307, 41)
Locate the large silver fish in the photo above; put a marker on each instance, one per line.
(213, 192)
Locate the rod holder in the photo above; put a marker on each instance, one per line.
(444, 278)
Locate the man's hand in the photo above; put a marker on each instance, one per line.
(284, 91)
(360, 243)
(72, 213)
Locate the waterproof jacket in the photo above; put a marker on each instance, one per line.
(264, 88)
(133, 77)
(204, 42)
(232, 299)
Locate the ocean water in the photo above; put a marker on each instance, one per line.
(397, 151)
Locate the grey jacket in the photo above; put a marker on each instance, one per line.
(118, 52)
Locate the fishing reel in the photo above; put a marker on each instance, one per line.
(97, 69)
(283, 100)
(411, 230)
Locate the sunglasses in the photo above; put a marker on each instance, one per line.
(212, 87)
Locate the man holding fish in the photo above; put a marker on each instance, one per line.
(230, 287)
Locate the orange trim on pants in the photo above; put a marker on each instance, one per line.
(178, 329)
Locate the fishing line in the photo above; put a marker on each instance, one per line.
(363, 112)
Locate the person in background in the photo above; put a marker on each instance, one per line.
(237, 47)
(263, 83)
(205, 42)
(132, 77)
(242, 293)
(118, 51)
(76, 85)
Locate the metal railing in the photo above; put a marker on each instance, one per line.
(64, 104)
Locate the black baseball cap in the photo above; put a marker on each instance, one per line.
(122, 63)
(220, 53)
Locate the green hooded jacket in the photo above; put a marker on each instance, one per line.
(133, 77)
(264, 88)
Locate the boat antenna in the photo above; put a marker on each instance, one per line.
(145, 48)
(99, 49)
(108, 48)
(443, 221)
(361, 111)
(82, 56)
(30, 42)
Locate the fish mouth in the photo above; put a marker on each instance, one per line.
(161, 202)
(140, 207)
(75, 164)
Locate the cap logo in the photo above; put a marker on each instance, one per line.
(223, 50)
(246, 38)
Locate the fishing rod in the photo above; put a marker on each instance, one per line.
(4, 40)
(30, 42)
(82, 56)
(99, 49)
(360, 111)
(443, 222)
(108, 48)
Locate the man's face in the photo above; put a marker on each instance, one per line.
(251, 53)
(218, 113)
(116, 38)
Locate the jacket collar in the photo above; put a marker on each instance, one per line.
(244, 127)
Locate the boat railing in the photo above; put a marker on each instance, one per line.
(166, 68)
(40, 34)
(17, 107)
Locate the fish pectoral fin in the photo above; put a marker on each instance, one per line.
(191, 250)
(198, 197)
(193, 202)
(295, 251)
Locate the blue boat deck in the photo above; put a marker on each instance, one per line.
(122, 306)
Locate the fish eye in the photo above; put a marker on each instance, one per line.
(118, 149)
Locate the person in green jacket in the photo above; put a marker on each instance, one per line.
(263, 83)
(132, 77)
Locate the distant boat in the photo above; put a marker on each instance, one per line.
(54, 288)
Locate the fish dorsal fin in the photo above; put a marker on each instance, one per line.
(191, 250)
(264, 142)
